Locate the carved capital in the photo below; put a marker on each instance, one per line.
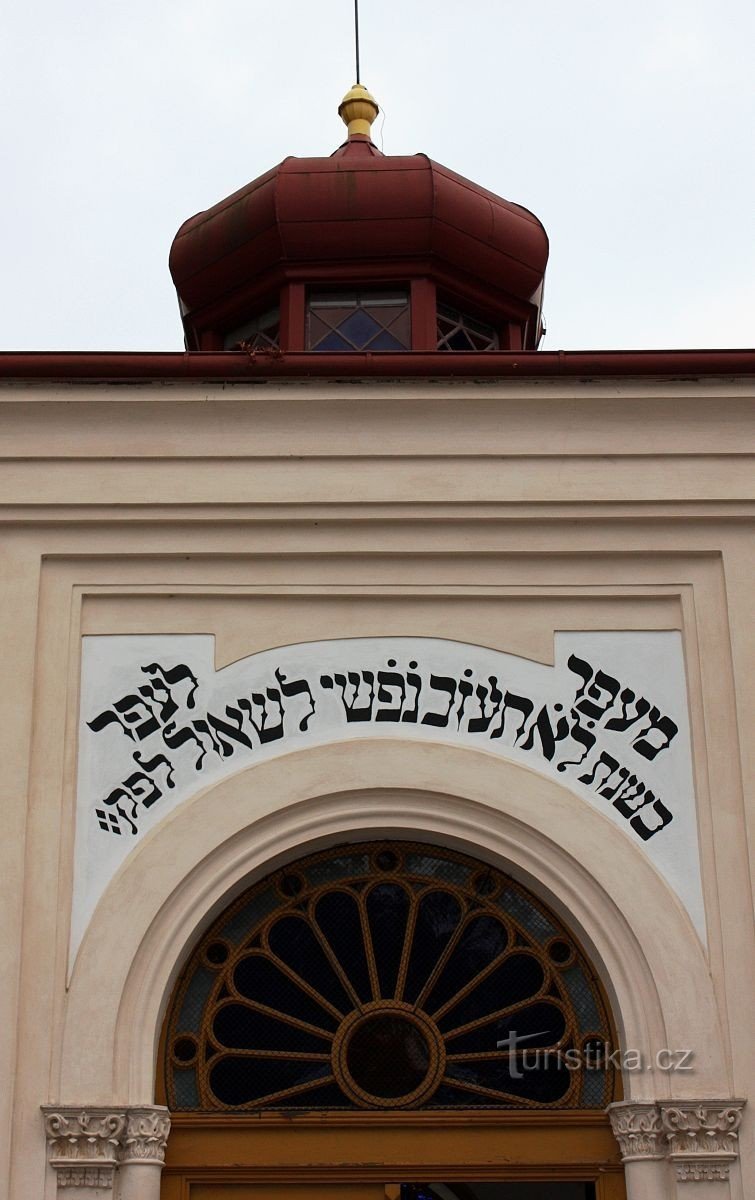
(638, 1130)
(702, 1137)
(146, 1135)
(86, 1146)
(83, 1144)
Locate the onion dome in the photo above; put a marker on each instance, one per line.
(361, 251)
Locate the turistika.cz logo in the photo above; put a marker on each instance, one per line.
(593, 1055)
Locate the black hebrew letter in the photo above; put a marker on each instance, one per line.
(161, 697)
(631, 797)
(641, 708)
(603, 760)
(579, 734)
(624, 777)
(413, 681)
(299, 687)
(266, 732)
(520, 704)
(581, 668)
(465, 691)
(175, 675)
(664, 726)
(353, 711)
(481, 724)
(159, 760)
(224, 734)
(441, 683)
(143, 789)
(175, 738)
(108, 717)
(602, 693)
(132, 713)
(544, 730)
(651, 819)
(110, 821)
(395, 698)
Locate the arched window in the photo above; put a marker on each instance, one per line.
(387, 975)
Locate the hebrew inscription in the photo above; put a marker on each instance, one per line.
(608, 720)
(164, 713)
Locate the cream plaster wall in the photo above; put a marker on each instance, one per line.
(265, 514)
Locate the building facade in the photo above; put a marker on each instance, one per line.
(376, 728)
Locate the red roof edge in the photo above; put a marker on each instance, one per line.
(238, 365)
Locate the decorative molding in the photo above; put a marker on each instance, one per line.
(89, 1177)
(702, 1137)
(86, 1145)
(638, 1130)
(83, 1144)
(146, 1135)
(698, 1137)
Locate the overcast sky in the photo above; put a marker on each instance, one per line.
(628, 126)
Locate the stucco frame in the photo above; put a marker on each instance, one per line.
(272, 812)
(63, 588)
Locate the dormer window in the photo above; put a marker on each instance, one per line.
(365, 319)
(457, 331)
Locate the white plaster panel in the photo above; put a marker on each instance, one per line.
(609, 721)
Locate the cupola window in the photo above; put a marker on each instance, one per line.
(457, 331)
(358, 320)
(261, 333)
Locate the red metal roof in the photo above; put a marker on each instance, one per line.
(357, 207)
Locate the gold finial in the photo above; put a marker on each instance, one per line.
(358, 110)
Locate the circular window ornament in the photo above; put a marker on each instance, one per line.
(388, 1056)
(386, 975)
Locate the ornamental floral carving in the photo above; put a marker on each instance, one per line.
(83, 1135)
(699, 1137)
(638, 1130)
(86, 1146)
(146, 1135)
(702, 1137)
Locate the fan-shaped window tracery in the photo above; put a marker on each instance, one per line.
(387, 975)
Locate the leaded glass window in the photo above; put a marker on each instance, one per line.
(387, 975)
(359, 320)
(261, 333)
(457, 331)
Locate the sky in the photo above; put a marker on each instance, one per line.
(627, 126)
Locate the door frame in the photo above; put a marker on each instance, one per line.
(370, 1147)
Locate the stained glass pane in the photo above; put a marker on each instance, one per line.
(534, 921)
(334, 342)
(458, 331)
(359, 327)
(185, 1084)
(340, 866)
(593, 1089)
(250, 915)
(385, 341)
(581, 996)
(360, 318)
(190, 1015)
